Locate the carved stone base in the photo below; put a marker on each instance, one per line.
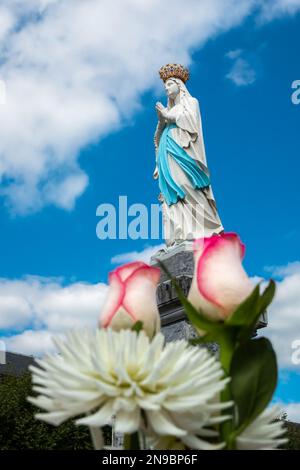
(180, 263)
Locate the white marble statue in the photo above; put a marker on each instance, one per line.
(188, 205)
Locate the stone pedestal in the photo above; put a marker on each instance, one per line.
(180, 263)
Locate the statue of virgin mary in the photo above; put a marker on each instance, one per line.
(188, 205)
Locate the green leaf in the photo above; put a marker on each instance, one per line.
(246, 311)
(196, 317)
(253, 378)
(247, 314)
(264, 301)
(138, 326)
(267, 296)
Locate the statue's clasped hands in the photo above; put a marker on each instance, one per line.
(162, 112)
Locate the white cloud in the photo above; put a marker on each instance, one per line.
(284, 315)
(241, 72)
(14, 311)
(271, 9)
(282, 271)
(64, 193)
(293, 411)
(45, 303)
(31, 343)
(6, 22)
(234, 54)
(40, 308)
(144, 255)
(75, 70)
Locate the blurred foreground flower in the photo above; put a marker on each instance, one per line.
(264, 433)
(131, 298)
(220, 282)
(167, 390)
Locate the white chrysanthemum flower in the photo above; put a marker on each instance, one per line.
(171, 390)
(191, 440)
(265, 433)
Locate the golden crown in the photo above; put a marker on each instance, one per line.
(174, 70)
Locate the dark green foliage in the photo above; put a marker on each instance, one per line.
(18, 428)
(292, 434)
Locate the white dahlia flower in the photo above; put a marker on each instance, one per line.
(194, 439)
(264, 433)
(167, 390)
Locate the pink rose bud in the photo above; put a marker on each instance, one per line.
(131, 298)
(220, 282)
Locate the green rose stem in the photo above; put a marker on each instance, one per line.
(227, 346)
(132, 441)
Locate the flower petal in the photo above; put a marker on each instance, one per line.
(221, 278)
(128, 422)
(100, 418)
(113, 300)
(162, 424)
(127, 269)
(263, 433)
(140, 297)
(194, 442)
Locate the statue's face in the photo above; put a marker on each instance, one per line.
(172, 89)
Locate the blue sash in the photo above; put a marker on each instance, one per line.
(170, 190)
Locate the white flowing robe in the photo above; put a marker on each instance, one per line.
(196, 215)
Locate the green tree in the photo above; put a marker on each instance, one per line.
(20, 430)
(292, 433)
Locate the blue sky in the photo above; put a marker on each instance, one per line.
(242, 78)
